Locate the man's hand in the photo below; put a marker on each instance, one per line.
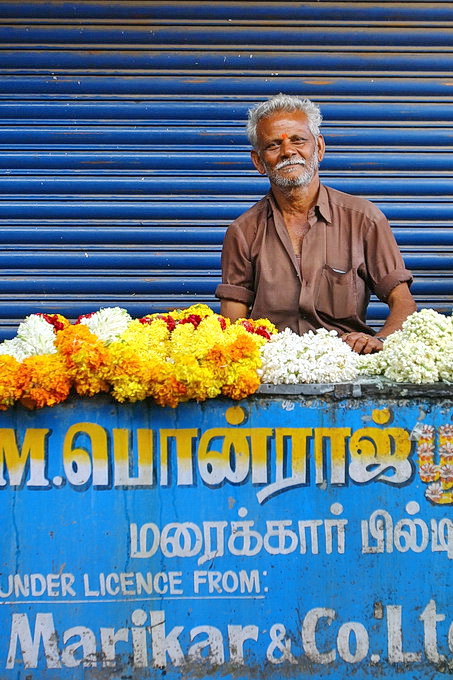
(401, 304)
(362, 343)
(233, 310)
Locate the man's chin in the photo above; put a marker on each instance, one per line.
(291, 182)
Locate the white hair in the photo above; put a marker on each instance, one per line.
(283, 102)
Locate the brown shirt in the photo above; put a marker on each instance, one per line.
(347, 252)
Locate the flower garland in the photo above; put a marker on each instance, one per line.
(85, 355)
(185, 354)
(421, 352)
(44, 381)
(320, 357)
(10, 384)
(195, 354)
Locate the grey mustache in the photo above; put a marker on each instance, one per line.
(283, 164)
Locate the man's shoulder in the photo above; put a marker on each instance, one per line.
(252, 217)
(349, 202)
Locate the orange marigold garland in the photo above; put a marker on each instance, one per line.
(164, 386)
(128, 373)
(10, 390)
(85, 356)
(191, 343)
(44, 380)
(246, 384)
(135, 359)
(243, 359)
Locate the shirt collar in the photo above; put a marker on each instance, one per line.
(322, 205)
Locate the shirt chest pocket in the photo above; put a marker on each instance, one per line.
(337, 293)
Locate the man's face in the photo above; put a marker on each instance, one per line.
(287, 151)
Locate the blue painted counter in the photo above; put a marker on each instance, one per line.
(300, 534)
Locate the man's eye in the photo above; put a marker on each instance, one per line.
(271, 146)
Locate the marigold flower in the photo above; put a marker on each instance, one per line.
(164, 386)
(217, 356)
(242, 346)
(183, 342)
(151, 339)
(246, 383)
(201, 379)
(128, 373)
(44, 380)
(10, 390)
(85, 355)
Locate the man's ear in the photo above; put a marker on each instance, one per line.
(257, 162)
(321, 147)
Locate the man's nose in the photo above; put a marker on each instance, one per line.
(286, 148)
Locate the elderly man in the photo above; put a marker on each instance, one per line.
(308, 256)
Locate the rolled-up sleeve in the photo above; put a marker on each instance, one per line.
(237, 269)
(385, 265)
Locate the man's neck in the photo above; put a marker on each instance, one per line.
(296, 200)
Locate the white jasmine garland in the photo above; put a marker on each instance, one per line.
(316, 357)
(108, 323)
(36, 336)
(15, 348)
(445, 364)
(412, 363)
(421, 352)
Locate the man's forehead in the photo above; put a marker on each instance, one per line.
(282, 121)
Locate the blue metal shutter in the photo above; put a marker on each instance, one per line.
(123, 149)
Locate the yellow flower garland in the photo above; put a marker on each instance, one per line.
(186, 354)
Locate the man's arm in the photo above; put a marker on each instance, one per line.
(233, 310)
(236, 292)
(401, 304)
